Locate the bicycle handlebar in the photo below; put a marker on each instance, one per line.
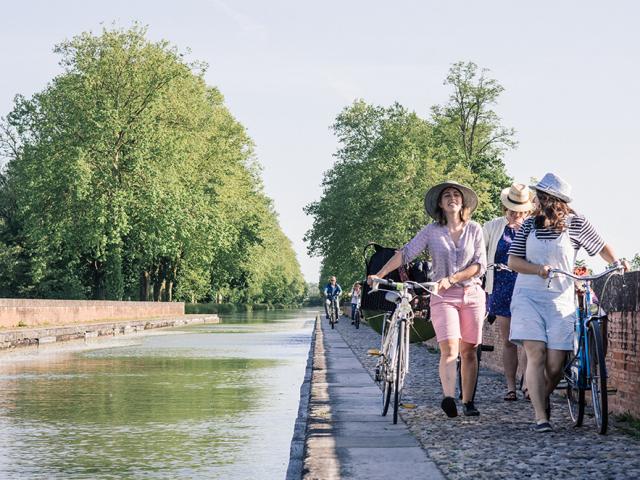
(608, 271)
(427, 286)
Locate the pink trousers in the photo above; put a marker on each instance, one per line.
(459, 313)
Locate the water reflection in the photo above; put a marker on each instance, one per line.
(202, 402)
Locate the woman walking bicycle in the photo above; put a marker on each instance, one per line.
(459, 260)
(542, 310)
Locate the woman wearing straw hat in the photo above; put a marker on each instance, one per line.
(456, 246)
(542, 313)
(498, 236)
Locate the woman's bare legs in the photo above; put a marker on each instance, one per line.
(449, 350)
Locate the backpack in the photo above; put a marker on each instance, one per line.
(416, 271)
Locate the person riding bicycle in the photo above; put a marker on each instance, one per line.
(355, 293)
(498, 236)
(332, 292)
(459, 259)
(542, 311)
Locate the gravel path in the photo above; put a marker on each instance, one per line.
(499, 443)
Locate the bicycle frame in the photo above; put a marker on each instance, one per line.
(402, 314)
(580, 359)
(580, 373)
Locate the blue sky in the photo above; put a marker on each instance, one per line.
(286, 68)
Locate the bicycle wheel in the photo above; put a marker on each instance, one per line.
(575, 390)
(386, 366)
(332, 318)
(386, 396)
(598, 376)
(356, 318)
(399, 376)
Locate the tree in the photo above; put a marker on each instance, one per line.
(635, 262)
(129, 178)
(375, 190)
(389, 157)
(468, 132)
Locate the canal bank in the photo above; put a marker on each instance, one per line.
(345, 435)
(36, 337)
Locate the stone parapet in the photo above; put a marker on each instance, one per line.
(36, 312)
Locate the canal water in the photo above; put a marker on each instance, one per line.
(204, 401)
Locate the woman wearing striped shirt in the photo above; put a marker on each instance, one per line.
(458, 254)
(542, 314)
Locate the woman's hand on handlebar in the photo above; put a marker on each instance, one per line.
(544, 271)
(370, 279)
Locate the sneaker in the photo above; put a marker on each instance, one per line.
(542, 427)
(470, 410)
(449, 406)
(352, 322)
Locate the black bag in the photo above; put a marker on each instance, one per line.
(417, 271)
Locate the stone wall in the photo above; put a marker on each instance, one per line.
(33, 312)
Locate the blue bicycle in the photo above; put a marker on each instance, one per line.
(585, 368)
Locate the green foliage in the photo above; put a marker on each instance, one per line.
(129, 178)
(635, 262)
(389, 157)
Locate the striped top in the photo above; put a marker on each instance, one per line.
(447, 257)
(581, 233)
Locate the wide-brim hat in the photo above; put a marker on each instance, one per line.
(433, 196)
(553, 185)
(517, 198)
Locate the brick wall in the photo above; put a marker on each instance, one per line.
(33, 312)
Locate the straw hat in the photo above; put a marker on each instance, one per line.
(517, 198)
(433, 196)
(553, 185)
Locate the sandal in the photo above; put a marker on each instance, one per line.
(510, 396)
(525, 394)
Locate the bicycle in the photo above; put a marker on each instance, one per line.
(333, 312)
(393, 364)
(585, 369)
(356, 317)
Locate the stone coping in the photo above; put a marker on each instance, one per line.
(25, 337)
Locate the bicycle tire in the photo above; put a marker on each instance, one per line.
(575, 392)
(387, 362)
(356, 318)
(598, 376)
(386, 396)
(400, 353)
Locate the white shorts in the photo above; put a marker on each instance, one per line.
(548, 317)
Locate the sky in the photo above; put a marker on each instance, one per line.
(570, 71)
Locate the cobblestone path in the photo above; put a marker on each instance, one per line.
(499, 443)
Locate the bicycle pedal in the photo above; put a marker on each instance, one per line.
(374, 352)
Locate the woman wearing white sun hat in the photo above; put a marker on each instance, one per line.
(542, 313)
(498, 237)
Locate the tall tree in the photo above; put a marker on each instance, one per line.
(129, 178)
(387, 159)
(468, 132)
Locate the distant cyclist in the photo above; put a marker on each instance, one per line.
(355, 293)
(332, 291)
